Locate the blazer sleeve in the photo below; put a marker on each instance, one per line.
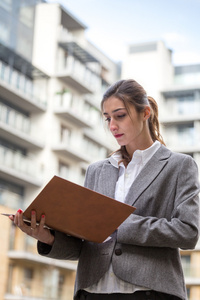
(182, 231)
(68, 247)
(64, 247)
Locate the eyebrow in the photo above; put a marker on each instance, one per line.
(115, 110)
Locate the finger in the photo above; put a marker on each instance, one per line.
(33, 219)
(11, 217)
(42, 221)
(18, 219)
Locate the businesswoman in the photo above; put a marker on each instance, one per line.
(141, 260)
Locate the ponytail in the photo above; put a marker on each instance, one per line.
(154, 125)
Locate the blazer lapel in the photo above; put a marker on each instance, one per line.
(107, 180)
(148, 174)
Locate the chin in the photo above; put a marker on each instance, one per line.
(122, 144)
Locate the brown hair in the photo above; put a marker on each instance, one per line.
(132, 93)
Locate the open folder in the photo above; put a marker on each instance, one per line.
(78, 211)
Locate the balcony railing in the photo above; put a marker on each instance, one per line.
(39, 288)
(78, 75)
(187, 139)
(10, 199)
(15, 160)
(76, 110)
(191, 271)
(14, 118)
(73, 149)
(17, 128)
(20, 82)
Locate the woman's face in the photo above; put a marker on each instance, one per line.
(129, 129)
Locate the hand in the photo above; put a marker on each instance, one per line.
(38, 232)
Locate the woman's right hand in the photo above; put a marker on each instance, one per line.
(38, 232)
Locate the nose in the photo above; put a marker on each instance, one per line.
(113, 125)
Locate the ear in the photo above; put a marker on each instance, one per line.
(147, 112)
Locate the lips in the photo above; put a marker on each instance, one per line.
(117, 136)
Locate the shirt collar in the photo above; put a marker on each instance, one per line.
(139, 156)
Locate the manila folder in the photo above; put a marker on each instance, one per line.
(78, 211)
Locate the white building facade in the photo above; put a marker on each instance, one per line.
(50, 124)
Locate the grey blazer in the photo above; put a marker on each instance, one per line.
(166, 218)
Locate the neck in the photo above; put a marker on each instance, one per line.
(139, 146)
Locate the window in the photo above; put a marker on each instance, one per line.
(188, 292)
(186, 263)
(63, 170)
(4, 32)
(186, 104)
(65, 58)
(91, 113)
(11, 195)
(29, 244)
(6, 4)
(82, 175)
(65, 134)
(12, 234)
(28, 277)
(28, 273)
(26, 15)
(186, 134)
(61, 281)
(94, 149)
(10, 276)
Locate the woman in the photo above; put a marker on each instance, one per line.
(141, 260)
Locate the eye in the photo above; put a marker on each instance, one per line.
(108, 119)
(121, 116)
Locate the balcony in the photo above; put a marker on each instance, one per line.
(94, 149)
(16, 127)
(180, 111)
(172, 118)
(182, 138)
(69, 150)
(179, 90)
(71, 22)
(181, 148)
(74, 68)
(72, 109)
(78, 76)
(20, 90)
(10, 199)
(20, 169)
(102, 138)
(23, 256)
(197, 248)
(71, 146)
(191, 274)
(50, 282)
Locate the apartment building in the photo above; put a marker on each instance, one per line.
(180, 116)
(51, 84)
(177, 91)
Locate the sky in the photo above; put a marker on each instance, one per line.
(113, 25)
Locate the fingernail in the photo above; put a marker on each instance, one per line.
(43, 216)
(19, 211)
(33, 212)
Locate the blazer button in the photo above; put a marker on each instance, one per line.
(118, 252)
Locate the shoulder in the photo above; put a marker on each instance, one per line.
(93, 172)
(98, 164)
(177, 158)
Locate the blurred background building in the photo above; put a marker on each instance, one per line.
(51, 83)
(177, 91)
